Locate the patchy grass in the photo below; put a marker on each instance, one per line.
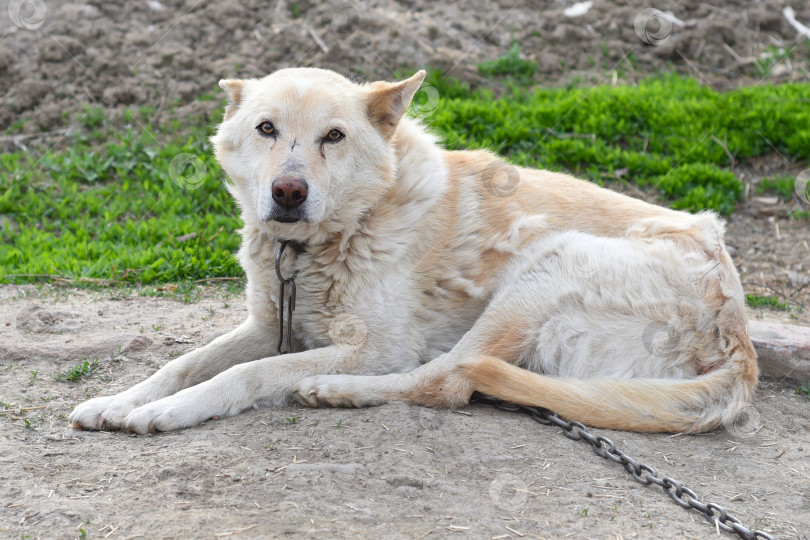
(511, 64)
(783, 186)
(772, 302)
(78, 371)
(804, 390)
(118, 205)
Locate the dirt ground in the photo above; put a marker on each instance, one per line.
(56, 56)
(396, 471)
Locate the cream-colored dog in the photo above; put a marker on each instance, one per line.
(424, 275)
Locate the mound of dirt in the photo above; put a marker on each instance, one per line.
(57, 57)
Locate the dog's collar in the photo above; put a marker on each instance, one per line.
(296, 246)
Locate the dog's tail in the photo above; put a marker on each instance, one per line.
(648, 405)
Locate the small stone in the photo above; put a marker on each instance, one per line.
(407, 491)
(138, 343)
(398, 481)
(60, 49)
(30, 93)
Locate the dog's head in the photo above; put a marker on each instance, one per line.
(308, 151)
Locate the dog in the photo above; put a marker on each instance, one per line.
(423, 275)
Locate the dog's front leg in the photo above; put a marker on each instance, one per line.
(269, 381)
(251, 340)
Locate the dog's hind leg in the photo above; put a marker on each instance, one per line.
(640, 404)
(590, 343)
(252, 340)
(442, 382)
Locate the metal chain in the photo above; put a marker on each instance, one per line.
(290, 304)
(644, 474)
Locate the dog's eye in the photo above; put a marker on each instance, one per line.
(267, 129)
(334, 136)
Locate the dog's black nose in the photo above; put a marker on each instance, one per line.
(289, 191)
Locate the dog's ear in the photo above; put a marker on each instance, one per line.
(387, 102)
(233, 88)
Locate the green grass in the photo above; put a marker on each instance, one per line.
(107, 208)
(784, 186)
(510, 64)
(804, 390)
(772, 302)
(668, 132)
(77, 372)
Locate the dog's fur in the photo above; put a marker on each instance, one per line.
(427, 275)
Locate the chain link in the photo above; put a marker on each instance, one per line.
(644, 474)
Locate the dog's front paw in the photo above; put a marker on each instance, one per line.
(167, 414)
(103, 413)
(329, 391)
